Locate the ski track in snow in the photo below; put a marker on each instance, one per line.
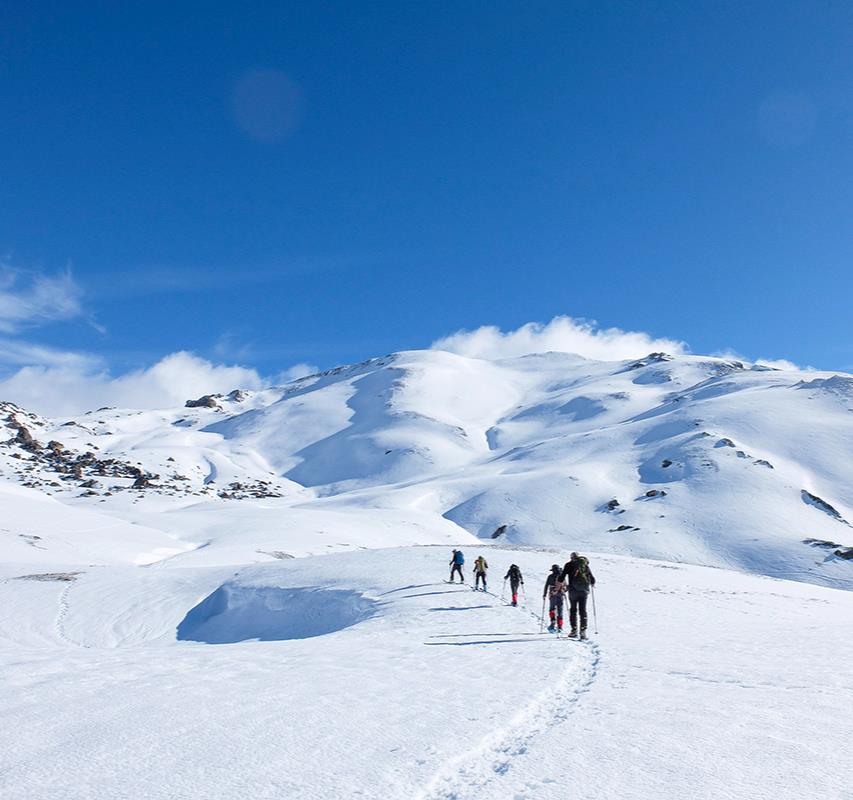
(474, 773)
(62, 613)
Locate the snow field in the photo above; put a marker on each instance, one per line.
(702, 683)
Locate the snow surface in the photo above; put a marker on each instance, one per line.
(702, 683)
(249, 599)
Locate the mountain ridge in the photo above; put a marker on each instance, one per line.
(679, 457)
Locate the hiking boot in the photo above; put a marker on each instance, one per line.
(573, 633)
(552, 627)
(583, 634)
(513, 604)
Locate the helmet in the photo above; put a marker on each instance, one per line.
(574, 555)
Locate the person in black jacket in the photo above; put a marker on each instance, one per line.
(579, 578)
(514, 575)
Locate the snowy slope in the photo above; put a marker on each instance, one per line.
(365, 675)
(690, 459)
(169, 629)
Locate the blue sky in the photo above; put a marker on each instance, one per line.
(321, 182)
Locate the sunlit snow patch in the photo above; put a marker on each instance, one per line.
(237, 613)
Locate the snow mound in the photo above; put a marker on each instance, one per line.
(237, 613)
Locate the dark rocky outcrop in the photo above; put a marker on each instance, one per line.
(819, 503)
(205, 401)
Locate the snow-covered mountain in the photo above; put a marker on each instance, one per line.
(687, 458)
(161, 635)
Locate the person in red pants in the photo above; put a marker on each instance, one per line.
(515, 580)
(555, 589)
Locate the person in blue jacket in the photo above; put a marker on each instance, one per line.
(456, 562)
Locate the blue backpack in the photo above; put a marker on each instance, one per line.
(459, 558)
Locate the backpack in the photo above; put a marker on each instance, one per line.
(580, 574)
(514, 573)
(459, 558)
(557, 588)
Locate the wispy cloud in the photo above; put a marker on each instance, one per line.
(150, 279)
(28, 299)
(561, 334)
(56, 382)
(71, 383)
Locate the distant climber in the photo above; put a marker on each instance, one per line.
(515, 578)
(579, 579)
(480, 567)
(554, 591)
(457, 560)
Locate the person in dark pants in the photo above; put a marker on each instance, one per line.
(554, 590)
(579, 578)
(456, 562)
(515, 579)
(480, 567)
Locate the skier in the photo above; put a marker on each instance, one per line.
(480, 567)
(515, 578)
(579, 578)
(456, 562)
(554, 590)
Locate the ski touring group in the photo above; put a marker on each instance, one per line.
(569, 585)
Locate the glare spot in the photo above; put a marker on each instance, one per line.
(267, 105)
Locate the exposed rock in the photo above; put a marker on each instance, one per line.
(90, 484)
(764, 463)
(280, 554)
(205, 401)
(821, 543)
(656, 493)
(845, 554)
(24, 438)
(499, 531)
(237, 395)
(725, 442)
(651, 358)
(49, 576)
(613, 504)
(666, 463)
(817, 502)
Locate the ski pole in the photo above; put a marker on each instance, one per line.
(503, 591)
(594, 615)
(542, 618)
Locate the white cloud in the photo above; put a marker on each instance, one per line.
(60, 384)
(28, 299)
(783, 363)
(773, 363)
(561, 334)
